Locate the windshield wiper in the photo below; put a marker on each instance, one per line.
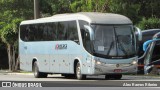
(110, 47)
(119, 43)
(120, 46)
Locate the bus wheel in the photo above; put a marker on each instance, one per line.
(78, 72)
(36, 72)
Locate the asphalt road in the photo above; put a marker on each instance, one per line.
(58, 77)
(90, 81)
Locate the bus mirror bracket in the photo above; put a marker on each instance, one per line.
(139, 33)
(90, 30)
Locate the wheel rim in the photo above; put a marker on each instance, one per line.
(78, 71)
(35, 71)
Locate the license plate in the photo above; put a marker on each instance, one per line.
(118, 70)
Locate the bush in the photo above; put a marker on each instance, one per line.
(149, 23)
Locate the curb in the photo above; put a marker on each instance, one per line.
(16, 73)
(19, 73)
(6, 72)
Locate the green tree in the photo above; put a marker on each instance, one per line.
(9, 35)
(12, 12)
(90, 6)
(149, 8)
(126, 7)
(149, 23)
(17, 8)
(51, 7)
(137, 10)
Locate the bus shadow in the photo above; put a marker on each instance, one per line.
(88, 78)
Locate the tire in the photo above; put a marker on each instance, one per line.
(36, 72)
(79, 76)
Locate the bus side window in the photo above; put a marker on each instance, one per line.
(62, 31)
(65, 30)
(26, 33)
(87, 41)
(72, 31)
(23, 33)
(30, 33)
(85, 36)
(52, 31)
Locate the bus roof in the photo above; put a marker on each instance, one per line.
(91, 17)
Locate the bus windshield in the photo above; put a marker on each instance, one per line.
(114, 41)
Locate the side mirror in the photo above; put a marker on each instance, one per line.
(90, 30)
(139, 33)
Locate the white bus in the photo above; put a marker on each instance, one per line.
(79, 44)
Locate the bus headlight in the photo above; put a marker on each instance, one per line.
(134, 62)
(97, 62)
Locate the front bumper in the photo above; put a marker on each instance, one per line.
(112, 69)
